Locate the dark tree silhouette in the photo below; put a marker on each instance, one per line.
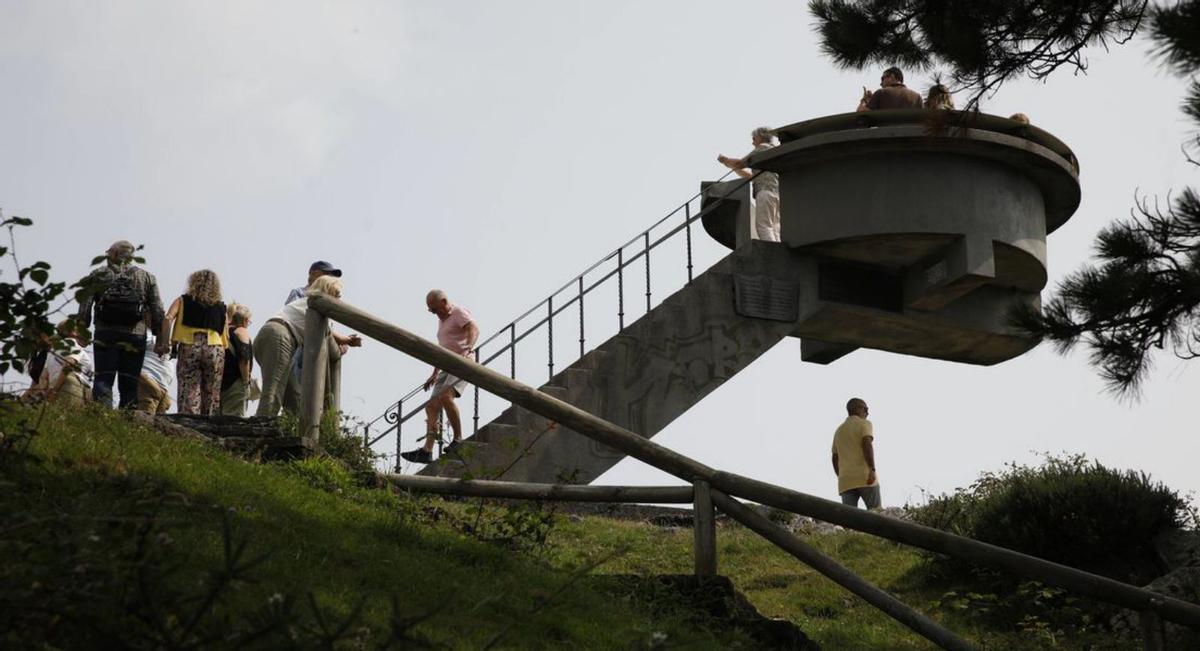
(1142, 292)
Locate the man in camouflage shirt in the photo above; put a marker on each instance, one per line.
(126, 301)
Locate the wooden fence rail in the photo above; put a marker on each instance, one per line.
(602, 431)
(515, 490)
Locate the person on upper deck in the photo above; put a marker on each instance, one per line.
(892, 94)
(939, 98)
(765, 186)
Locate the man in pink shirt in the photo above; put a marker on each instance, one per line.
(457, 332)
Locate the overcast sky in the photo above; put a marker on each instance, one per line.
(496, 149)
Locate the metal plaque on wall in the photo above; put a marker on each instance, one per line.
(764, 297)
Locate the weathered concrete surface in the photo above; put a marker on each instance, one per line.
(924, 234)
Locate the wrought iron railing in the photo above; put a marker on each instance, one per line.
(572, 293)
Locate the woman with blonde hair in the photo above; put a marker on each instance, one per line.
(939, 98)
(196, 321)
(281, 336)
(239, 361)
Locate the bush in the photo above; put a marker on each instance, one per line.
(1068, 510)
(322, 473)
(341, 442)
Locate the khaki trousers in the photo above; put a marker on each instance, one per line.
(273, 347)
(151, 397)
(71, 392)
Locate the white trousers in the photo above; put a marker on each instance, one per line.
(766, 216)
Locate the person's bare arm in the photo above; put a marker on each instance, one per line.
(353, 341)
(738, 165)
(472, 336)
(243, 336)
(864, 104)
(164, 340)
(868, 450)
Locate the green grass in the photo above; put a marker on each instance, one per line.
(352, 548)
(90, 469)
(780, 586)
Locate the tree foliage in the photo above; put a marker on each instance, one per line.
(26, 305)
(1143, 291)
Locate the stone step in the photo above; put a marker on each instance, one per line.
(496, 431)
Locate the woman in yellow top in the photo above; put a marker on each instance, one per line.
(198, 323)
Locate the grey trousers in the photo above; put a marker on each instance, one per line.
(869, 495)
(233, 399)
(273, 346)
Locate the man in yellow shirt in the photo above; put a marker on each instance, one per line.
(854, 457)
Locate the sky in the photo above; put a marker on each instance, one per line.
(495, 150)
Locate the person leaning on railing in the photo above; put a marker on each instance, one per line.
(766, 186)
(281, 336)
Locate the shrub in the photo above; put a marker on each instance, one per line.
(1068, 510)
(339, 441)
(322, 473)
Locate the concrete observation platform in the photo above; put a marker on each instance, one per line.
(909, 231)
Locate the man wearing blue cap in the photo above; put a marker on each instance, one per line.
(291, 394)
(315, 271)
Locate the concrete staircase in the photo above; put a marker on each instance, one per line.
(642, 378)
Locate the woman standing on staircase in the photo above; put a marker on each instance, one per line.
(196, 322)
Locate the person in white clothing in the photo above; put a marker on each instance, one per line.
(155, 382)
(281, 336)
(766, 187)
(67, 375)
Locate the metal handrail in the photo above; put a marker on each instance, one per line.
(395, 415)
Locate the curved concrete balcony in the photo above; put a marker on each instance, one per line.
(934, 222)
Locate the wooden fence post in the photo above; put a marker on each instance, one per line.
(312, 377)
(1152, 631)
(704, 530)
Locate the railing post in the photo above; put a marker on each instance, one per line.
(475, 428)
(1152, 631)
(366, 435)
(647, 237)
(704, 529)
(621, 288)
(312, 380)
(399, 427)
(581, 316)
(550, 333)
(687, 232)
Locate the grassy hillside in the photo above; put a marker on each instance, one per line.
(112, 532)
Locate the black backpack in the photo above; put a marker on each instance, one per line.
(120, 303)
